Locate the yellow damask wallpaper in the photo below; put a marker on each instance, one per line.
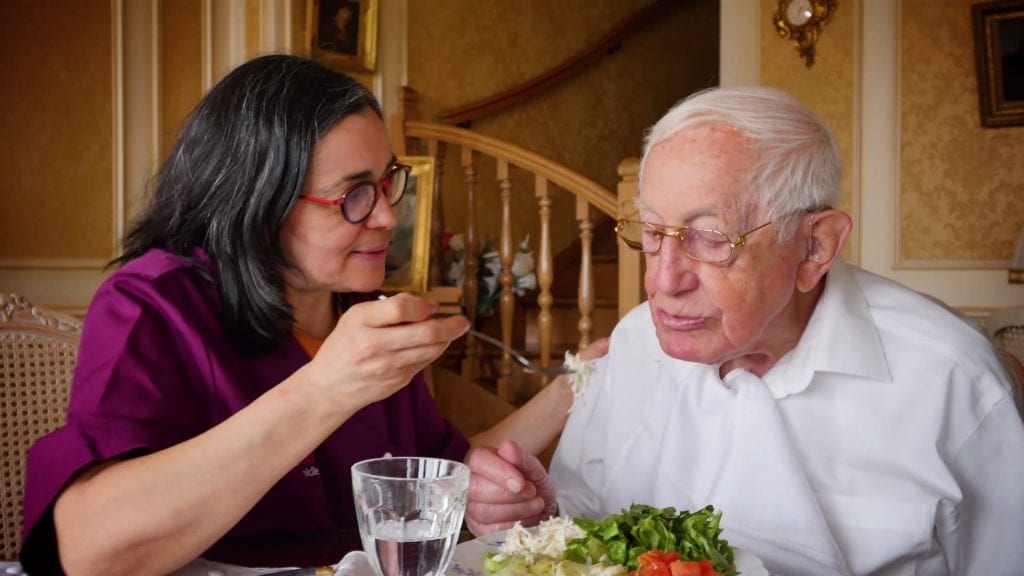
(961, 196)
(181, 81)
(56, 146)
(962, 186)
(462, 50)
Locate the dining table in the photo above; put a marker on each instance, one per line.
(276, 551)
(264, 556)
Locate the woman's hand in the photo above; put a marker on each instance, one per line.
(377, 347)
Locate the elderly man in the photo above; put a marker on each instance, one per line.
(844, 424)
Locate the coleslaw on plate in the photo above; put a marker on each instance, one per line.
(538, 551)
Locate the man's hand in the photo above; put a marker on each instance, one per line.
(507, 484)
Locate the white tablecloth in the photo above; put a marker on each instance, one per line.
(353, 564)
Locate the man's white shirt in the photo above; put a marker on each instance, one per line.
(886, 442)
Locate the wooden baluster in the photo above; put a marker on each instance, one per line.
(471, 367)
(545, 274)
(506, 387)
(437, 149)
(630, 261)
(586, 288)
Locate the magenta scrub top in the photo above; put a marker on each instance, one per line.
(154, 370)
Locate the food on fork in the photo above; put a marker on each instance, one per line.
(644, 541)
(580, 373)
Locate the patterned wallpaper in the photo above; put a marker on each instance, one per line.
(962, 186)
(826, 88)
(961, 197)
(56, 147)
(462, 50)
(181, 81)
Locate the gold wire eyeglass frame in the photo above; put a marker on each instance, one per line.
(677, 233)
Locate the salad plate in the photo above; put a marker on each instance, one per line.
(468, 559)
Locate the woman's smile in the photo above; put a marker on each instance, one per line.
(373, 254)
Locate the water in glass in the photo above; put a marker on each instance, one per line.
(410, 511)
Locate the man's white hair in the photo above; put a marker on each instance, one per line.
(798, 165)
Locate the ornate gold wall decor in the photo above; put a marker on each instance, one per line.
(802, 21)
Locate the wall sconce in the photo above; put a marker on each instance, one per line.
(802, 21)
(1017, 264)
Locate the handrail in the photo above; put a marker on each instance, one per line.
(583, 187)
(655, 11)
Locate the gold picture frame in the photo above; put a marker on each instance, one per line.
(343, 33)
(999, 59)
(407, 268)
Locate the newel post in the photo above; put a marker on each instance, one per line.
(407, 110)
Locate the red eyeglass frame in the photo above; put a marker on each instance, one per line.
(378, 188)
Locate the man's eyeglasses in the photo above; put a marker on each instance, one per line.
(358, 202)
(699, 244)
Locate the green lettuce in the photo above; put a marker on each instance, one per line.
(621, 538)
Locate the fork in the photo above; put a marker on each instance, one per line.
(522, 360)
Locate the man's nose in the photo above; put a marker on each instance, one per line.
(676, 272)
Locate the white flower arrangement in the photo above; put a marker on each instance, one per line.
(488, 270)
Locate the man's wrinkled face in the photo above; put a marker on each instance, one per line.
(715, 312)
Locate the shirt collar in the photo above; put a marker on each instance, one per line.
(840, 337)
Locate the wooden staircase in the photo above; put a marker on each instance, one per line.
(580, 295)
(582, 291)
(565, 312)
(473, 404)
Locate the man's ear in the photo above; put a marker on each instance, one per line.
(826, 232)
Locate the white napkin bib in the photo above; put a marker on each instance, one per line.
(761, 455)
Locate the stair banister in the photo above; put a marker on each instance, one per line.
(570, 181)
(469, 279)
(585, 292)
(545, 272)
(589, 196)
(507, 388)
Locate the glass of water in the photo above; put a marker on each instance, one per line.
(410, 511)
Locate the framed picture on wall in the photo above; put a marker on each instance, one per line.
(999, 57)
(343, 33)
(407, 267)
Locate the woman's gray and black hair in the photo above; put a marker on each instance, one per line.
(233, 176)
(798, 166)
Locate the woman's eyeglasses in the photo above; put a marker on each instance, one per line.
(358, 202)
